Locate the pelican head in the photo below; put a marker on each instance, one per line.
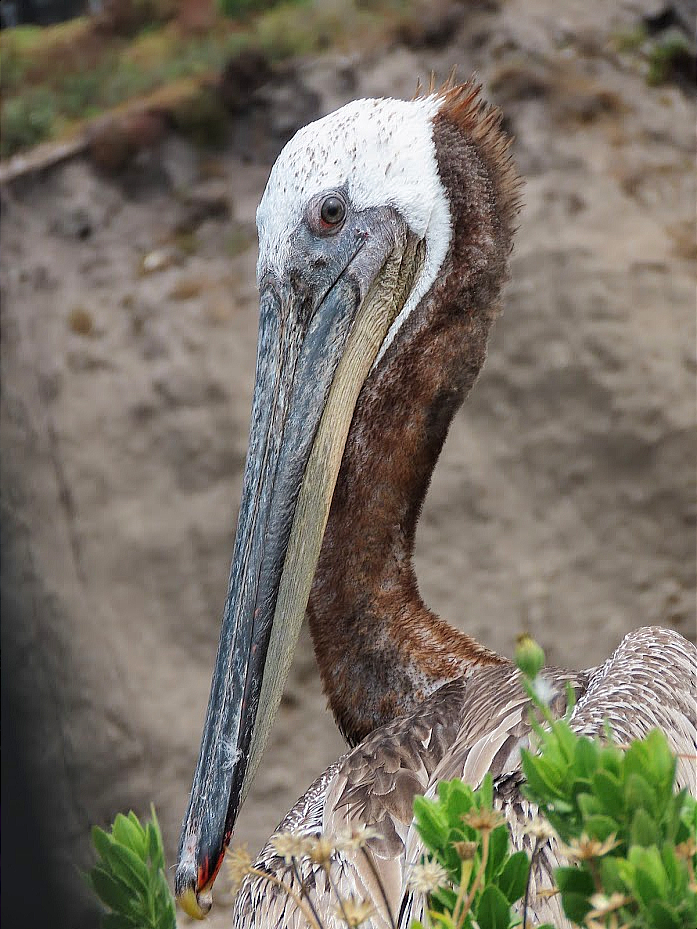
(355, 227)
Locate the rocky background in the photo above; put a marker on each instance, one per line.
(564, 503)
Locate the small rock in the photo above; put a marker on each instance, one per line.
(114, 142)
(160, 259)
(144, 128)
(80, 321)
(110, 146)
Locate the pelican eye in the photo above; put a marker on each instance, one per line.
(332, 211)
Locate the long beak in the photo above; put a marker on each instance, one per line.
(314, 354)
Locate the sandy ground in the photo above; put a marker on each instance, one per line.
(564, 502)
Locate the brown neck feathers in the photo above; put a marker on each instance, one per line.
(379, 648)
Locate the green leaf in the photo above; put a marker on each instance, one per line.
(445, 896)
(650, 881)
(567, 740)
(102, 841)
(154, 835)
(663, 760)
(664, 916)
(585, 757)
(128, 867)
(132, 836)
(431, 823)
(543, 781)
(498, 849)
(110, 890)
(576, 906)
(588, 804)
(121, 921)
(611, 876)
(608, 788)
(576, 886)
(457, 800)
(493, 910)
(600, 827)
(514, 877)
(574, 880)
(638, 794)
(644, 831)
(486, 792)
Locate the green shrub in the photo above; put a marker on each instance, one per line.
(129, 877)
(478, 878)
(629, 836)
(26, 121)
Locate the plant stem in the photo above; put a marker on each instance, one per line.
(464, 881)
(477, 878)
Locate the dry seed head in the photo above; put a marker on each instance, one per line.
(238, 865)
(686, 849)
(540, 829)
(483, 820)
(466, 850)
(356, 838)
(427, 877)
(603, 904)
(585, 848)
(321, 851)
(290, 845)
(353, 912)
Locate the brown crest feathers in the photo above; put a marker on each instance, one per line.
(463, 106)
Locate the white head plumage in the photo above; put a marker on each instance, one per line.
(381, 152)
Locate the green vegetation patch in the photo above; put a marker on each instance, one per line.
(55, 78)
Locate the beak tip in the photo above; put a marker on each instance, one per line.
(195, 903)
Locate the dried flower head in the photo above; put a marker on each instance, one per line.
(238, 865)
(540, 829)
(466, 850)
(484, 820)
(427, 877)
(290, 845)
(353, 912)
(585, 848)
(603, 904)
(321, 850)
(686, 849)
(604, 911)
(356, 838)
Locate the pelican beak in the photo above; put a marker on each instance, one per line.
(320, 330)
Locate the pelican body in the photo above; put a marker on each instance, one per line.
(384, 236)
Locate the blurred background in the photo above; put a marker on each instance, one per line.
(136, 139)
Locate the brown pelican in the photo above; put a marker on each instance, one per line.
(384, 236)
